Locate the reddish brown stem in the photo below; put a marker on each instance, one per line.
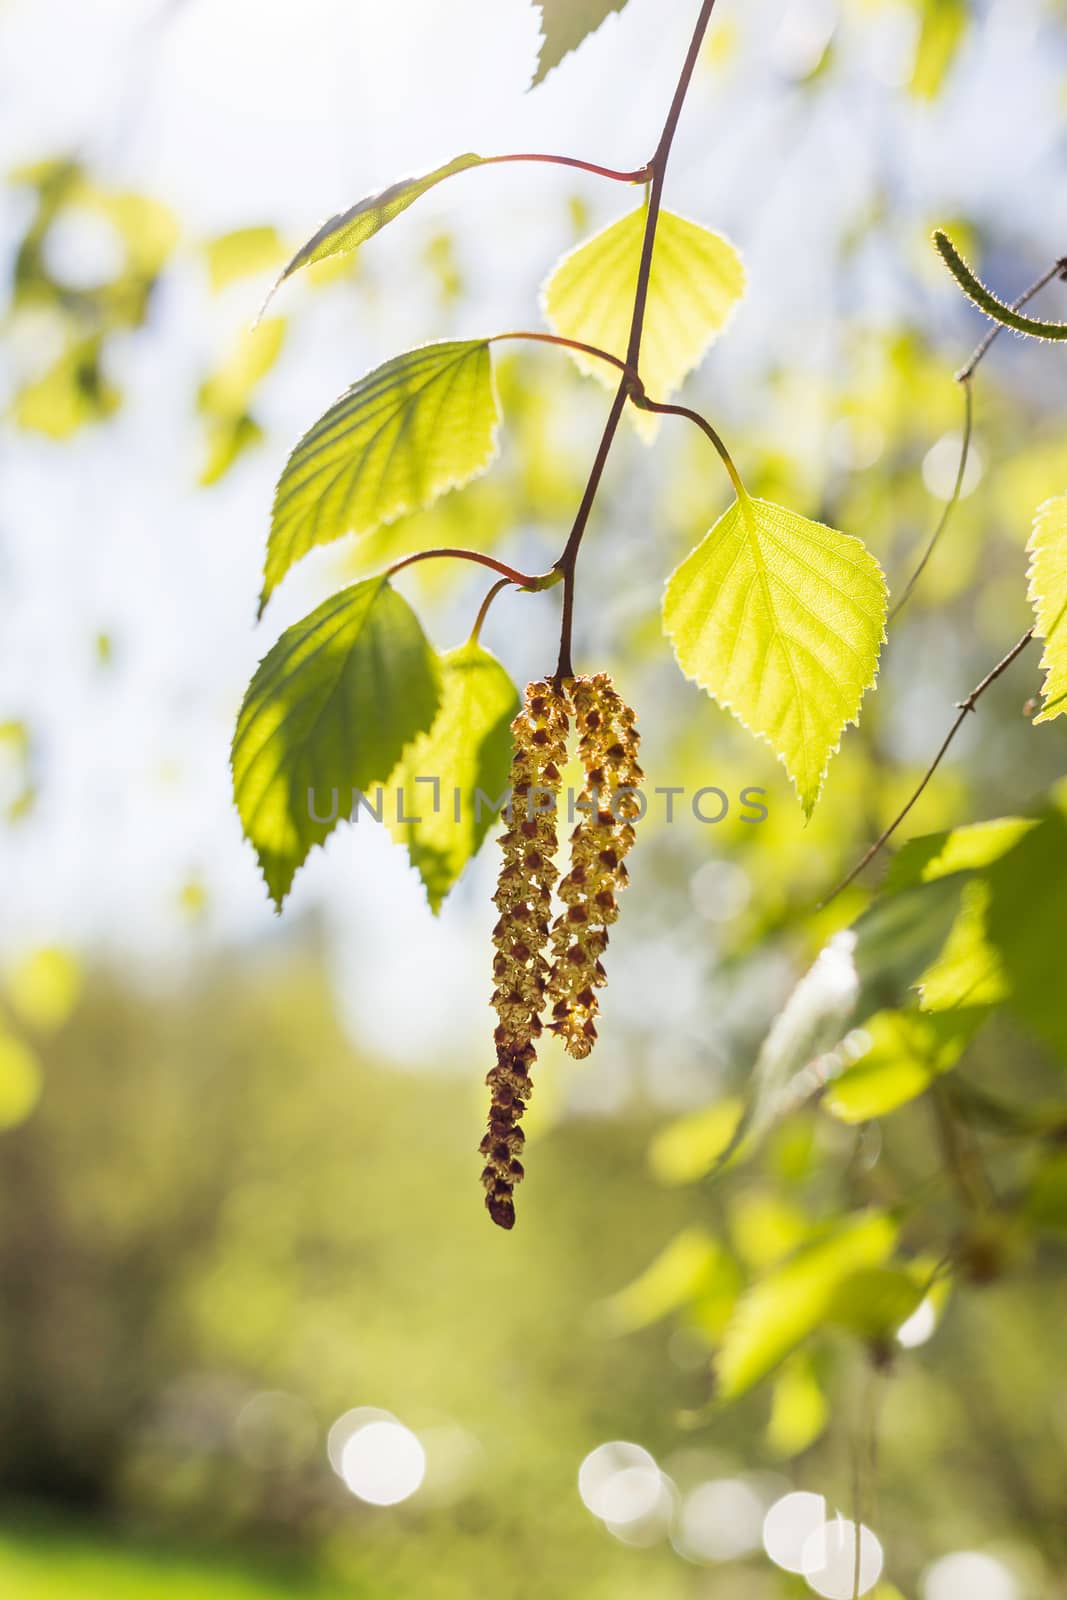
(521, 580)
(657, 172)
(641, 175)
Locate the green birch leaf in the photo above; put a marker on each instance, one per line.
(564, 24)
(905, 1051)
(780, 620)
(778, 1313)
(413, 428)
(346, 231)
(467, 749)
(1047, 550)
(697, 280)
(329, 710)
(1006, 944)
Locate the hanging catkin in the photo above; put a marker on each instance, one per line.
(524, 899)
(607, 745)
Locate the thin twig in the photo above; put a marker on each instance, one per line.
(643, 403)
(952, 502)
(965, 707)
(657, 171)
(1057, 270)
(483, 610)
(521, 580)
(963, 378)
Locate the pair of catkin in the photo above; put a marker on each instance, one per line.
(563, 981)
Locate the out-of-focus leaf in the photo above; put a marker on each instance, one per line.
(225, 398)
(942, 31)
(689, 1147)
(228, 439)
(467, 750)
(564, 24)
(413, 428)
(905, 1051)
(799, 1408)
(875, 1301)
(697, 280)
(938, 855)
(228, 391)
(45, 986)
(782, 1310)
(349, 229)
(20, 1081)
(329, 711)
(17, 792)
(780, 620)
(1048, 596)
(1007, 942)
(240, 254)
(764, 1227)
(669, 1282)
(869, 967)
(69, 396)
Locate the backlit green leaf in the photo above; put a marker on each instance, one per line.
(1048, 596)
(776, 1315)
(414, 427)
(349, 229)
(689, 1147)
(565, 23)
(697, 280)
(780, 620)
(467, 750)
(875, 1301)
(905, 1051)
(329, 711)
(1007, 942)
(671, 1281)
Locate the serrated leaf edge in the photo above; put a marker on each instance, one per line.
(727, 705)
(1034, 547)
(458, 481)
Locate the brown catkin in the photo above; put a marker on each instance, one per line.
(523, 898)
(607, 745)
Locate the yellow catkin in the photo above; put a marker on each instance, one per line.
(523, 898)
(607, 745)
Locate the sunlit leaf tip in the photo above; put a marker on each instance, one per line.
(781, 620)
(347, 230)
(413, 428)
(329, 710)
(1048, 596)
